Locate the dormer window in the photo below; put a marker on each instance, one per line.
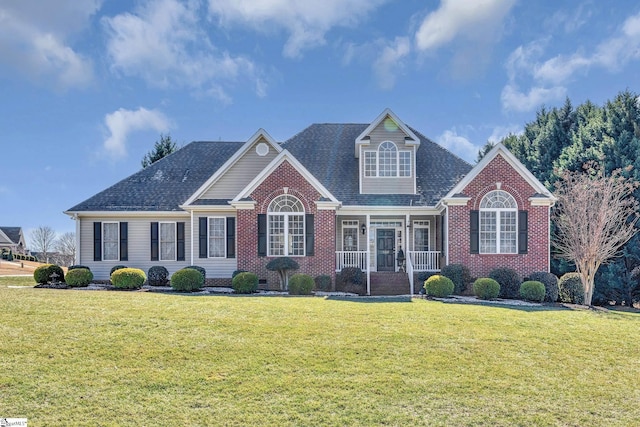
(387, 161)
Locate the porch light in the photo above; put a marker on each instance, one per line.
(364, 229)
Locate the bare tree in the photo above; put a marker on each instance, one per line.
(42, 240)
(66, 248)
(595, 217)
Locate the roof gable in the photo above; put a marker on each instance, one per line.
(389, 120)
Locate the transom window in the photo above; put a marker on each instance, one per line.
(168, 241)
(217, 237)
(498, 223)
(110, 241)
(286, 226)
(388, 161)
(350, 235)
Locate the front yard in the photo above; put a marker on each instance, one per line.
(141, 358)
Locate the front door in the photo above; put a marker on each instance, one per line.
(385, 244)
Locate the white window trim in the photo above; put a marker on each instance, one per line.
(498, 231)
(224, 237)
(351, 224)
(377, 165)
(422, 224)
(286, 234)
(117, 240)
(175, 240)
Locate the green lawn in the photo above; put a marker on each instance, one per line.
(148, 359)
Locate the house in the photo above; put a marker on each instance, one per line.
(332, 196)
(12, 239)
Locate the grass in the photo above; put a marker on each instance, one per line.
(140, 358)
(17, 281)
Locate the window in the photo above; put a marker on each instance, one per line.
(217, 237)
(286, 226)
(167, 241)
(388, 161)
(110, 241)
(498, 223)
(420, 235)
(350, 235)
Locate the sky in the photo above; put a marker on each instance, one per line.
(88, 86)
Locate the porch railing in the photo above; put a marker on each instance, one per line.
(351, 259)
(425, 260)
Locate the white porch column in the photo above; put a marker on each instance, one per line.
(191, 262)
(368, 255)
(407, 229)
(77, 257)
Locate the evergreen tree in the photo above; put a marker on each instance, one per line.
(161, 149)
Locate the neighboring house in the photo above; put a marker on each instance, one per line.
(12, 239)
(332, 196)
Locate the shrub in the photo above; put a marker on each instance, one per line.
(323, 283)
(509, 281)
(42, 274)
(424, 275)
(187, 280)
(532, 290)
(245, 283)
(73, 267)
(459, 275)
(439, 286)
(550, 282)
(157, 275)
(282, 265)
(200, 269)
(486, 288)
(300, 284)
(78, 277)
(128, 278)
(115, 268)
(571, 289)
(236, 272)
(10, 256)
(352, 280)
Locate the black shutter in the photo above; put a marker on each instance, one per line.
(180, 240)
(523, 232)
(124, 241)
(474, 232)
(97, 241)
(202, 238)
(262, 235)
(309, 235)
(231, 237)
(154, 242)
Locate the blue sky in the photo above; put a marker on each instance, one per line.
(89, 85)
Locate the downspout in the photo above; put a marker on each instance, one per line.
(77, 257)
(446, 236)
(406, 248)
(368, 256)
(191, 238)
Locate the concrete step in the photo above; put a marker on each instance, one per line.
(389, 283)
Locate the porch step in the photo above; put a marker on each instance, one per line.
(389, 283)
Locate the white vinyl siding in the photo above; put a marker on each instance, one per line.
(217, 237)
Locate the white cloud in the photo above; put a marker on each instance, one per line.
(458, 145)
(513, 99)
(500, 132)
(34, 40)
(391, 60)
(122, 122)
(454, 19)
(165, 43)
(306, 22)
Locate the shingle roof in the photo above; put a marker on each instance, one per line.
(13, 233)
(165, 184)
(326, 150)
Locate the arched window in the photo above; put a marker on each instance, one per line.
(286, 226)
(498, 223)
(388, 159)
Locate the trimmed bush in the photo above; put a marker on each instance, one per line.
(157, 275)
(550, 282)
(300, 284)
(421, 276)
(128, 278)
(200, 269)
(42, 274)
(323, 283)
(73, 267)
(282, 265)
(352, 280)
(532, 290)
(509, 281)
(439, 286)
(187, 280)
(236, 272)
(245, 283)
(459, 275)
(78, 277)
(571, 289)
(115, 268)
(486, 288)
